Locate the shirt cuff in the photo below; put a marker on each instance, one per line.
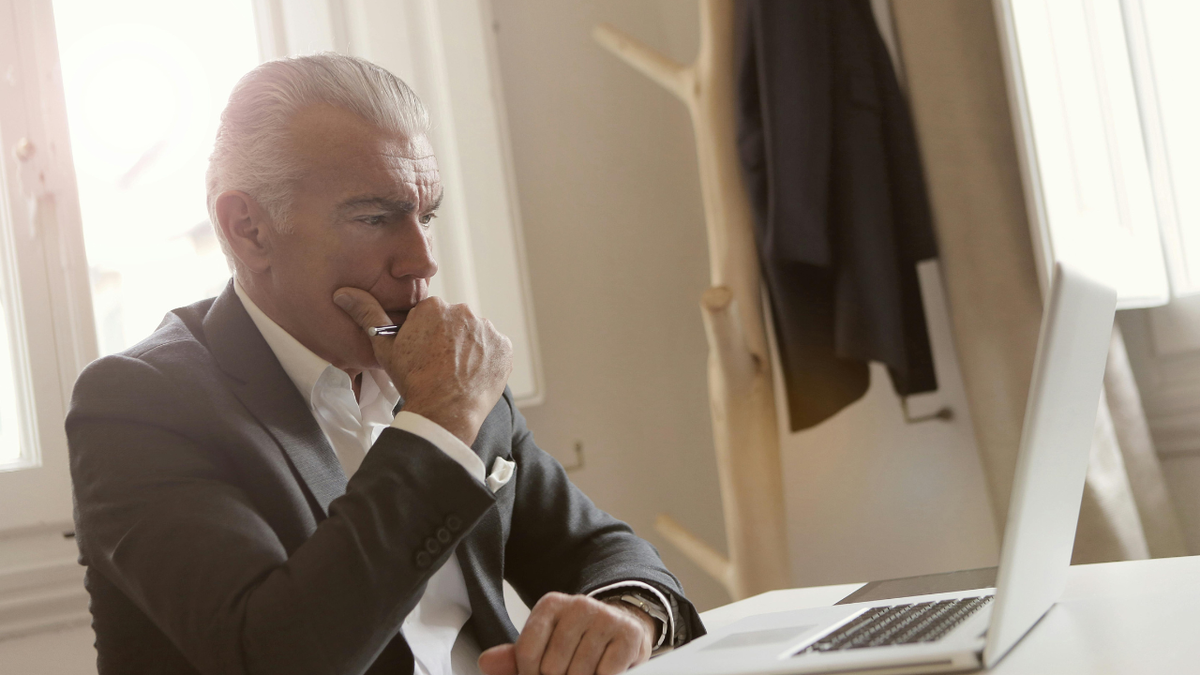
(445, 441)
(669, 629)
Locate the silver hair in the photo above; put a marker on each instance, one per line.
(253, 150)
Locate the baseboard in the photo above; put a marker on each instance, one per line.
(41, 582)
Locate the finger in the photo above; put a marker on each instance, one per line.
(577, 616)
(536, 633)
(431, 303)
(587, 654)
(499, 660)
(618, 656)
(361, 306)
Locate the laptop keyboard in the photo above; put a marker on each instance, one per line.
(899, 625)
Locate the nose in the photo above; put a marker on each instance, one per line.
(413, 253)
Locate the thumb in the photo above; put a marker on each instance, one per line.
(361, 306)
(499, 660)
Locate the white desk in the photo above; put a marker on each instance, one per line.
(1128, 617)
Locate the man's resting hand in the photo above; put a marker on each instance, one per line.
(575, 635)
(449, 365)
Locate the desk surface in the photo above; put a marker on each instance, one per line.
(1129, 617)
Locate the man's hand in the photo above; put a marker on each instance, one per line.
(575, 635)
(448, 364)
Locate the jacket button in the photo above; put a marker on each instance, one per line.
(432, 546)
(454, 523)
(423, 560)
(443, 535)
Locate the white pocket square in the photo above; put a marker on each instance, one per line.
(502, 472)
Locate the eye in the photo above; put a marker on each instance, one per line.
(428, 218)
(374, 221)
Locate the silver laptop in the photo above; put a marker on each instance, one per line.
(963, 630)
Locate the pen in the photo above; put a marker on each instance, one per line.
(382, 330)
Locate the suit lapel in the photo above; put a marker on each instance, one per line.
(262, 385)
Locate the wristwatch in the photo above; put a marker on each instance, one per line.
(650, 605)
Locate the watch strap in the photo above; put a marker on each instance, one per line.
(635, 598)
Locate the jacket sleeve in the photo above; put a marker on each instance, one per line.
(163, 516)
(560, 541)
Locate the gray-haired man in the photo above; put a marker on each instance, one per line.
(263, 488)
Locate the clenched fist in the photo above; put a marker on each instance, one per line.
(449, 365)
(575, 635)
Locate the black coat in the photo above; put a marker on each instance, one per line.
(832, 167)
(221, 535)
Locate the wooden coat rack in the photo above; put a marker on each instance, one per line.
(741, 392)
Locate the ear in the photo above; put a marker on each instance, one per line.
(246, 228)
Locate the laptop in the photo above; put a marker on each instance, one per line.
(950, 632)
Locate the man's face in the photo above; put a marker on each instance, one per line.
(360, 217)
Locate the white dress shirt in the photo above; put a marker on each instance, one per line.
(433, 627)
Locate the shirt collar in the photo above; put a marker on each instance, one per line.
(299, 362)
(302, 366)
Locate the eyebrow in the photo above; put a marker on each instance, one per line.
(392, 206)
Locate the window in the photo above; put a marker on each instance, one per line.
(1105, 102)
(47, 334)
(1079, 129)
(1126, 70)
(107, 116)
(106, 124)
(145, 83)
(1163, 34)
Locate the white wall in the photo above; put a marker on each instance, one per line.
(871, 496)
(613, 225)
(614, 236)
(65, 652)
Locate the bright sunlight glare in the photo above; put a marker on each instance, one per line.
(145, 84)
(1171, 27)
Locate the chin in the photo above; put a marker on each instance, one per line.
(360, 357)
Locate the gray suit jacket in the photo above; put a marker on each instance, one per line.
(221, 536)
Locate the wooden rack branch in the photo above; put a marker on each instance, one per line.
(696, 549)
(671, 75)
(741, 394)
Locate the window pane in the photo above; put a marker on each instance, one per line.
(145, 83)
(1171, 28)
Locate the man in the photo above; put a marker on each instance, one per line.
(266, 486)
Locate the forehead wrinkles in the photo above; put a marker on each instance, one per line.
(415, 173)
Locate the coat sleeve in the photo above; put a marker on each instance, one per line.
(560, 541)
(164, 518)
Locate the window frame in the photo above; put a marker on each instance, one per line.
(45, 263)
